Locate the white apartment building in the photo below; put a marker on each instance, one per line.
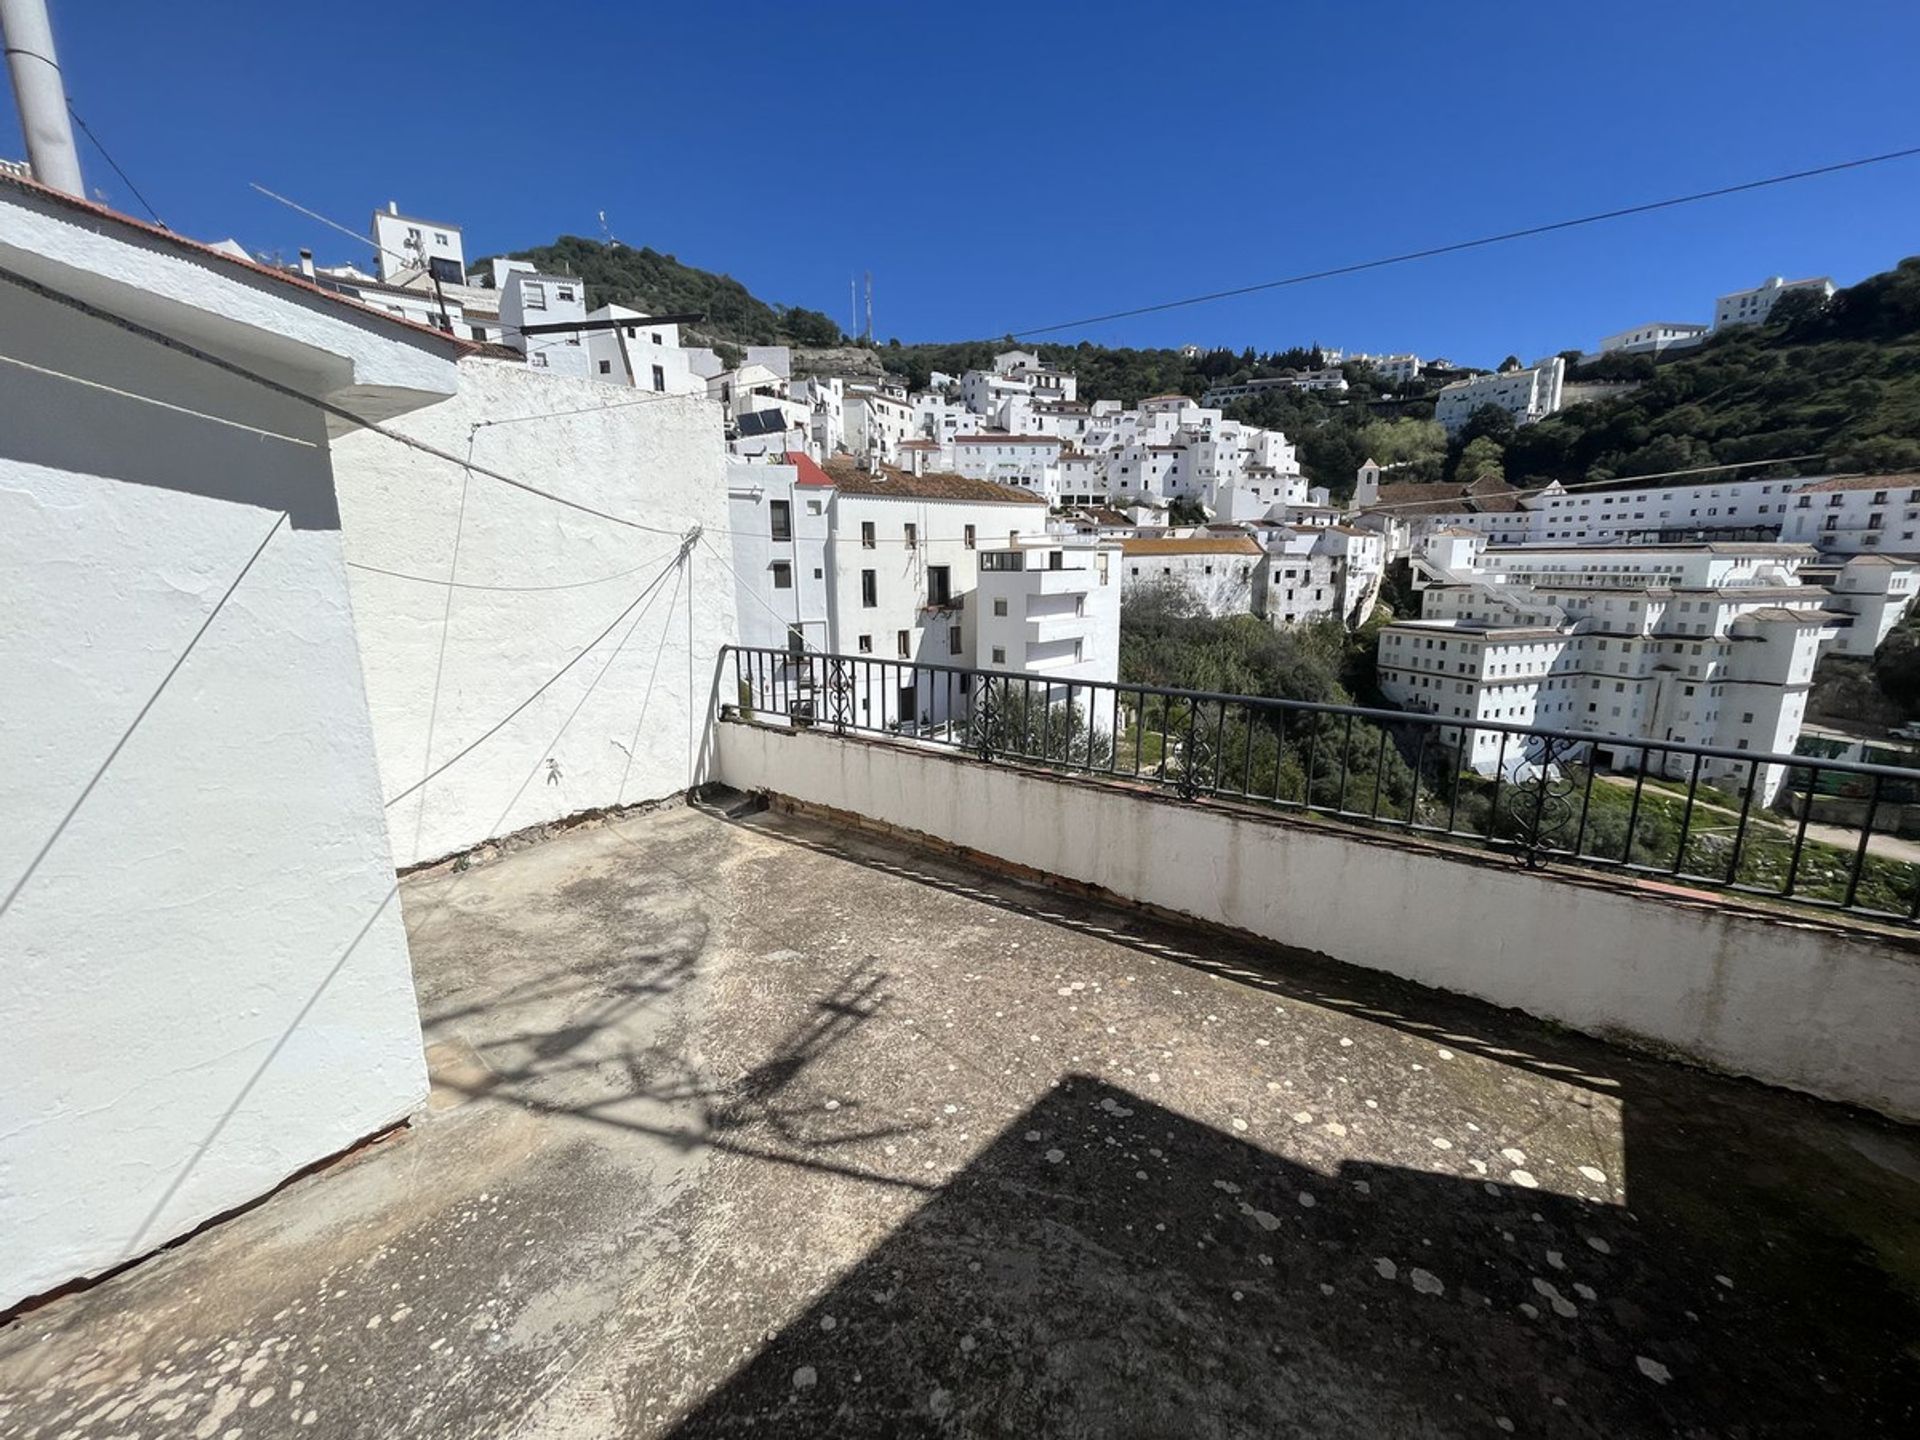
(1706, 644)
(1752, 307)
(1328, 379)
(1527, 395)
(1651, 339)
(1401, 369)
(1220, 573)
(635, 350)
(1317, 572)
(876, 424)
(1729, 509)
(1050, 605)
(1025, 462)
(841, 560)
(1857, 514)
(528, 298)
(405, 245)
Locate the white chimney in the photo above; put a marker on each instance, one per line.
(306, 263)
(393, 207)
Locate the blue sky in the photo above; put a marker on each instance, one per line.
(999, 167)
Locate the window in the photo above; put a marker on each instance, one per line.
(953, 640)
(864, 644)
(869, 588)
(659, 378)
(606, 367)
(563, 294)
(533, 295)
(1747, 719)
(782, 575)
(780, 518)
(999, 655)
(999, 604)
(479, 332)
(939, 584)
(967, 537)
(537, 360)
(905, 643)
(866, 536)
(912, 533)
(655, 339)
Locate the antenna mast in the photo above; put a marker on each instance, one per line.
(869, 307)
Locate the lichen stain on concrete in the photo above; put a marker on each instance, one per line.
(753, 1125)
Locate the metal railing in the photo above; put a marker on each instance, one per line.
(1703, 816)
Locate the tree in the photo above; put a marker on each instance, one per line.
(809, 327)
(1512, 362)
(1184, 511)
(1481, 459)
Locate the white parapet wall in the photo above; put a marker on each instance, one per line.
(206, 978)
(1813, 1007)
(469, 595)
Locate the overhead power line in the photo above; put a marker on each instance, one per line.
(1459, 245)
(107, 156)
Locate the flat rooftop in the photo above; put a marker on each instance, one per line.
(743, 1123)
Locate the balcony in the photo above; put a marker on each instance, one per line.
(843, 1111)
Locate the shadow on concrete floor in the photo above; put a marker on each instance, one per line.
(1109, 1267)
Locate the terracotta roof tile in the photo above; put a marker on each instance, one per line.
(898, 484)
(1218, 545)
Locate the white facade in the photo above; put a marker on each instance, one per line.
(1050, 606)
(1025, 462)
(208, 987)
(888, 566)
(469, 594)
(1221, 575)
(1752, 307)
(1652, 338)
(530, 298)
(1857, 514)
(1704, 644)
(1318, 572)
(405, 245)
(1527, 395)
(634, 350)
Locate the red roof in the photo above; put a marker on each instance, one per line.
(809, 473)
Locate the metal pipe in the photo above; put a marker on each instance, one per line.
(41, 95)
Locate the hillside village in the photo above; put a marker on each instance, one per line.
(591, 855)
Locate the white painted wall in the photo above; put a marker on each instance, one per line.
(1813, 1009)
(616, 737)
(207, 979)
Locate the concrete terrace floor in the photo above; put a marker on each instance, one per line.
(750, 1125)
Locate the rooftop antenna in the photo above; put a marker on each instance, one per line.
(853, 305)
(869, 307)
(606, 235)
(415, 252)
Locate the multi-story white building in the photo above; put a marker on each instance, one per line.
(1651, 339)
(1219, 573)
(1528, 395)
(529, 298)
(634, 350)
(1050, 605)
(877, 424)
(405, 245)
(1705, 644)
(1025, 462)
(1317, 572)
(1726, 509)
(1752, 307)
(1857, 514)
(843, 560)
(1329, 379)
(1400, 368)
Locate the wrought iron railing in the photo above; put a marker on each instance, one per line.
(1803, 829)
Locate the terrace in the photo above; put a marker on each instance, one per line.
(826, 1116)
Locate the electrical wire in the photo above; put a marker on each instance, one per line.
(1626, 483)
(107, 156)
(119, 393)
(291, 392)
(679, 558)
(499, 589)
(1485, 240)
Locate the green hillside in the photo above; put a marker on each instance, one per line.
(1839, 382)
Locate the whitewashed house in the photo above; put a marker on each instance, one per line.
(1528, 394)
(1752, 307)
(208, 987)
(1219, 574)
(527, 299)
